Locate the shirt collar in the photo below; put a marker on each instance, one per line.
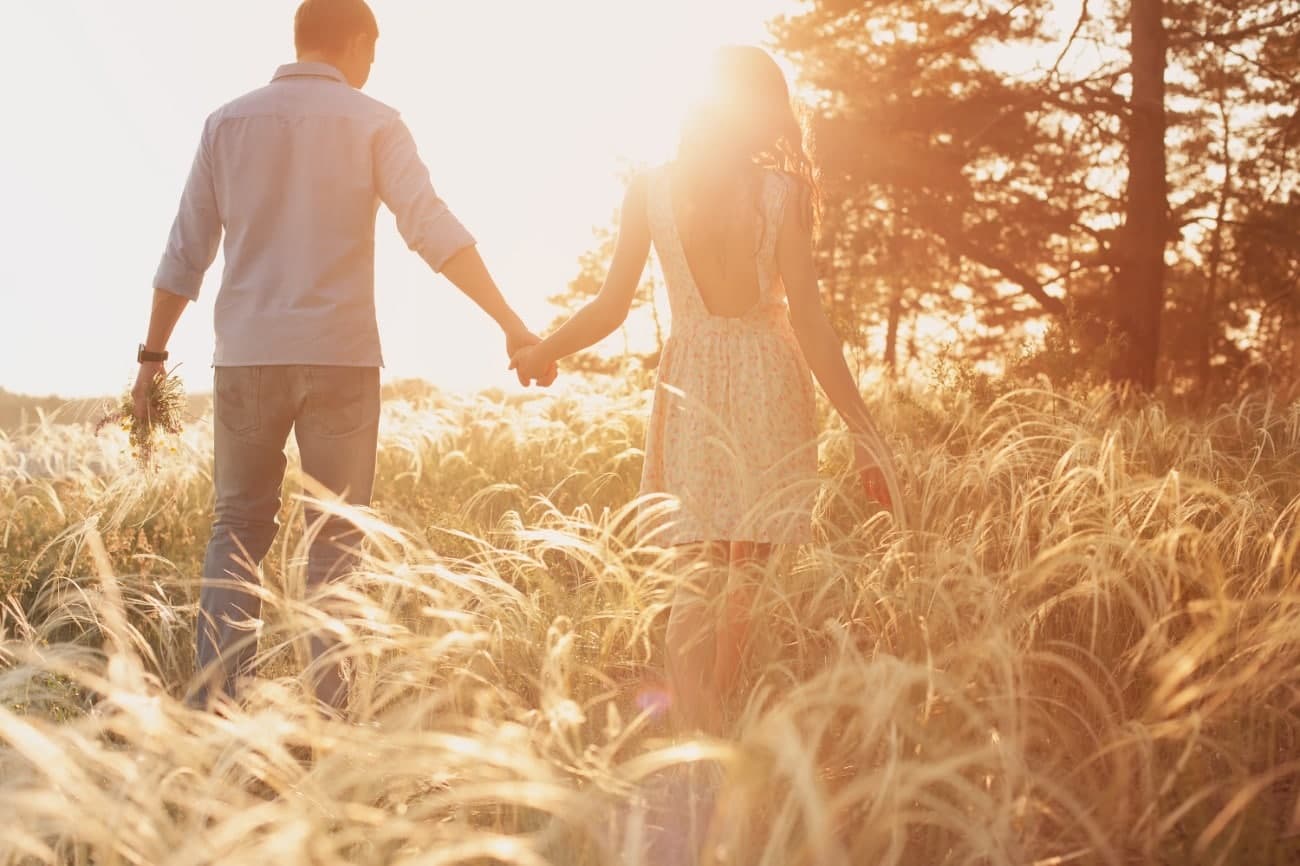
(309, 70)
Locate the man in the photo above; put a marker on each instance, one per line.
(294, 173)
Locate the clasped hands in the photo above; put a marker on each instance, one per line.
(530, 362)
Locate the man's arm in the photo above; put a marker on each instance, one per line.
(191, 249)
(167, 309)
(467, 272)
(196, 231)
(430, 229)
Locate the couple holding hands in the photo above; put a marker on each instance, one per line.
(292, 175)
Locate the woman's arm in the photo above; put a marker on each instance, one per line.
(823, 350)
(608, 310)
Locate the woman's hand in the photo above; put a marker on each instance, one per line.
(532, 364)
(872, 478)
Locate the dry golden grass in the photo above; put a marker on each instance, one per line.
(1086, 649)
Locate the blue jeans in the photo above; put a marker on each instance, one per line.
(334, 415)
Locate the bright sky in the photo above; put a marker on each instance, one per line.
(524, 111)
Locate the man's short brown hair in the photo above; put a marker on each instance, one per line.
(329, 25)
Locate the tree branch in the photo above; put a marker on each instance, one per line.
(1078, 28)
(963, 246)
(1184, 35)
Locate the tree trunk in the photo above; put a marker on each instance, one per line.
(891, 335)
(1209, 327)
(1139, 286)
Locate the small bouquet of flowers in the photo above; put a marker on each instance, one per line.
(165, 415)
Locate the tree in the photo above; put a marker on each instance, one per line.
(1236, 84)
(940, 170)
(1139, 297)
(962, 182)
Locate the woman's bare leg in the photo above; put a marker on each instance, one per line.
(719, 592)
(691, 642)
(747, 561)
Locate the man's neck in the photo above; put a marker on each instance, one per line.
(318, 57)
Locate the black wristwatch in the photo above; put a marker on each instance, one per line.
(143, 355)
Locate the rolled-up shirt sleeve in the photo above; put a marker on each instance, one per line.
(196, 232)
(425, 222)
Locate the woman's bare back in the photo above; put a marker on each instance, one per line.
(722, 254)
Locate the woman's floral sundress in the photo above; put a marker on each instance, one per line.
(731, 448)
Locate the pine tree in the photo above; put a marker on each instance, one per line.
(959, 186)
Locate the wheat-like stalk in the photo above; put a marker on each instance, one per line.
(166, 416)
(1081, 650)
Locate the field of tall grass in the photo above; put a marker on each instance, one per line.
(1084, 649)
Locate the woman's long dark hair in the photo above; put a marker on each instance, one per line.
(749, 120)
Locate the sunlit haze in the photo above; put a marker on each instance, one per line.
(524, 111)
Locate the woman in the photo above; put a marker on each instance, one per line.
(731, 441)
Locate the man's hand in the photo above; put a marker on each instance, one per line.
(520, 339)
(521, 346)
(531, 365)
(150, 372)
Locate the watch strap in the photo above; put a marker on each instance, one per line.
(143, 356)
